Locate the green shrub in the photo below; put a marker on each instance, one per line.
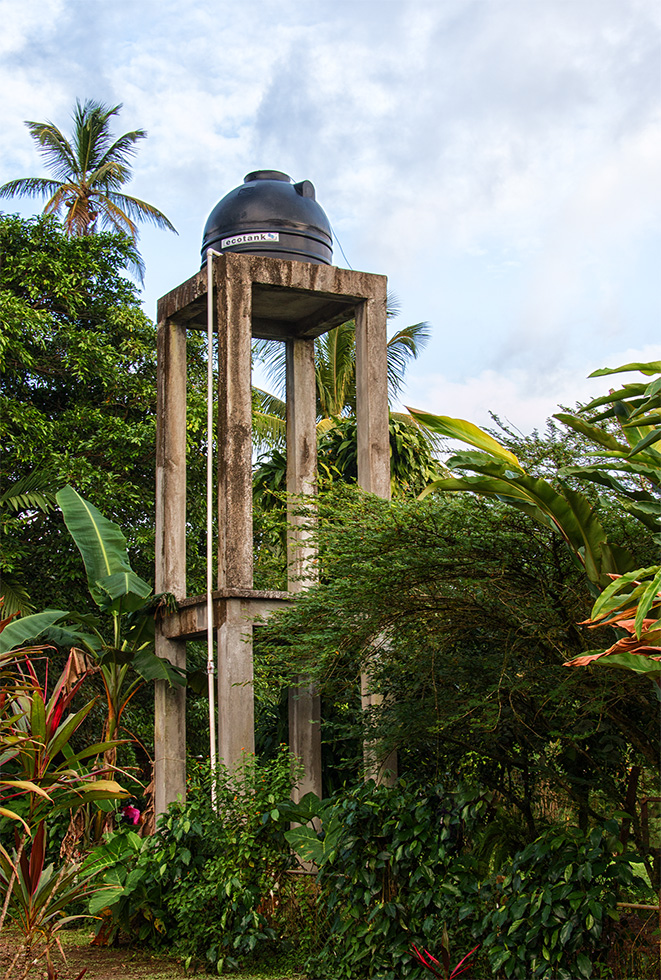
(553, 906)
(207, 882)
(398, 871)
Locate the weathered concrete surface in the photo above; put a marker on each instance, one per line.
(170, 704)
(373, 468)
(260, 297)
(236, 726)
(289, 299)
(305, 736)
(235, 545)
(372, 397)
(189, 622)
(304, 703)
(301, 459)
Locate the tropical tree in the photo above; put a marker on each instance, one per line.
(335, 372)
(88, 170)
(463, 610)
(78, 404)
(623, 460)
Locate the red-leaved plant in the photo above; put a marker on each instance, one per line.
(443, 969)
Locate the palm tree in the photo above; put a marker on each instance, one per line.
(335, 369)
(87, 173)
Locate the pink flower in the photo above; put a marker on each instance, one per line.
(131, 814)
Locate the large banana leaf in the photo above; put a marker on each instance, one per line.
(568, 512)
(42, 628)
(647, 367)
(593, 432)
(103, 547)
(28, 629)
(464, 432)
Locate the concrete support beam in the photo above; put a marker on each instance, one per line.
(379, 765)
(301, 458)
(170, 703)
(233, 306)
(236, 727)
(236, 708)
(304, 703)
(373, 467)
(372, 396)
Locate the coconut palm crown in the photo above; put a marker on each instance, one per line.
(335, 370)
(88, 171)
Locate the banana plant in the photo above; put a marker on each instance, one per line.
(119, 593)
(496, 472)
(626, 461)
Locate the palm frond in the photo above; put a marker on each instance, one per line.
(268, 431)
(403, 347)
(30, 493)
(123, 148)
(141, 211)
(109, 175)
(393, 305)
(55, 148)
(264, 401)
(273, 355)
(269, 420)
(91, 137)
(114, 217)
(30, 187)
(335, 368)
(15, 595)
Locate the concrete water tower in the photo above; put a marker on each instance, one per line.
(273, 279)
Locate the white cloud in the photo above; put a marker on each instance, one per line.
(497, 160)
(522, 400)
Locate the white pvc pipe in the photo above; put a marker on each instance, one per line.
(213, 754)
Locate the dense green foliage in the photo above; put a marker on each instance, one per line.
(211, 881)
(397, 873)
(77, 393)
(551, 910)
(78, 398)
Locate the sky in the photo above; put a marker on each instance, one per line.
(498, 160)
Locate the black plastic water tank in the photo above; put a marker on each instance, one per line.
(270, 215)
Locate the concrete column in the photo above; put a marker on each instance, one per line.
(236, 727)
(235, 548)
(236, 708)
(170, 544)
(378, 765)
(372, 397)
(373, 466)
(304, 703)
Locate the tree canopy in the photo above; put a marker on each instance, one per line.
(77, 397)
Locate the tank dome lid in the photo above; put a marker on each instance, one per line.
(271, 215)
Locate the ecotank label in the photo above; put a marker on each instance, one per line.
(250, 238)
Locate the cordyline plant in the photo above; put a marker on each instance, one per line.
(43, 775)
(443, 969)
